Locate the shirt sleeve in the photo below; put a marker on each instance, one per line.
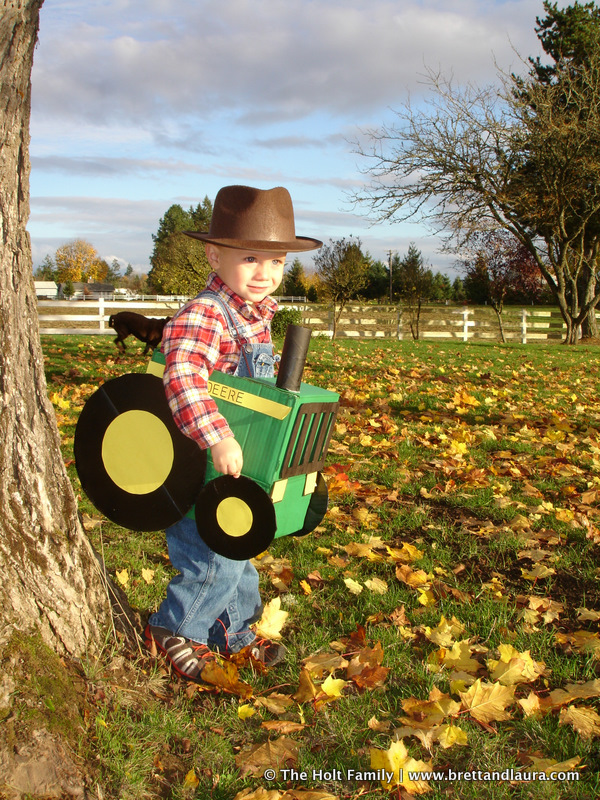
(192, 346)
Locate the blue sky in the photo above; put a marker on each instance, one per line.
(139, 104)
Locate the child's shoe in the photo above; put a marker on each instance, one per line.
(188, 658)
(267, 652)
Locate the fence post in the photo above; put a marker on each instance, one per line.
(523, 326)
(399, 334)
(101, 313)
(465, 314)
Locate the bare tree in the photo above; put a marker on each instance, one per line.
(52, 583)
(518, 157)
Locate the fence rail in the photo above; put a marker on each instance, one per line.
(357, 321)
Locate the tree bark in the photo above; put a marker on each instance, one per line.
(52, 581)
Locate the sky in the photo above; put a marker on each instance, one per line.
(141, 104)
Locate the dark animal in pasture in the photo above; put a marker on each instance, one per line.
(146, 329)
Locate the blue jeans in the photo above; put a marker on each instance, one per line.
(213, 600)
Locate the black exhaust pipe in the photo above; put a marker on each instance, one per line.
(293, 357)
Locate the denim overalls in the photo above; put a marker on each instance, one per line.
(214, 600)
(256, 360)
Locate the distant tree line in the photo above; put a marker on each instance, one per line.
(78, 262)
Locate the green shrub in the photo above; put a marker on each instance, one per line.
(283, 318)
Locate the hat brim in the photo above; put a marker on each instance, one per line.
(297, 245)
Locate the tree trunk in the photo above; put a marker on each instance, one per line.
(498, 310)
(52, 581)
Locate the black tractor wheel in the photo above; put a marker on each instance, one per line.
(235, 517)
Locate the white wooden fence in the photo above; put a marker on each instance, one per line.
(95, 321)
(357, 321)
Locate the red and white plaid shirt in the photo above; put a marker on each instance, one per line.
(197, 341)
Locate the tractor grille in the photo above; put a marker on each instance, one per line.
(309, 440)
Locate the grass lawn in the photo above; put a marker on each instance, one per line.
(444, 616)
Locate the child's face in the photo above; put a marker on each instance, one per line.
(252, 274)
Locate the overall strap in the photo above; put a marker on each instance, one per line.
(233, 329)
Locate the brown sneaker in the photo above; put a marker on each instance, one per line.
(188, 658)
(267, 652)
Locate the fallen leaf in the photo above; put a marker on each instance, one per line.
(459, 657)
(376, 585)
(148, 575)
(449, 735)
(381, 727)
(282, 726)
(275, 703)
(396, 761)
(320, 663)
(191, 781)
(333, 687)
(487, 702)
(353, 586)
(245, 711)
(272, 621)
(585, 721)
(514, 667)
(253, 760)
(307, 690)
(225, 676)
(123, 576)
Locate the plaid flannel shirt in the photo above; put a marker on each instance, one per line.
(197, 341)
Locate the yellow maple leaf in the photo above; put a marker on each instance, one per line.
(459, 657)
(245, 711)
(585, 721)
(307, 690)
(514, 667)
(575, 691)
(397, 762)
(581, 641)
(426, 597)
(445, 632)
(408, 552)
(531, 705)
(148, 575)
(272, 620)
(123, 576)
(487, 702)
(432, 711)
(324, 662)
(412, 577)
(449, 735)
(262, 794)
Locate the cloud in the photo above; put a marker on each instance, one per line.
(261, 61)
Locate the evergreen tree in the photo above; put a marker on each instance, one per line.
(47, 269)
(414, 282)
(178, 263)
(294, 280)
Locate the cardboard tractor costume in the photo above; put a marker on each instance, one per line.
(143, 473)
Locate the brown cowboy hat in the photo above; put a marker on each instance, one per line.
(255, 219)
